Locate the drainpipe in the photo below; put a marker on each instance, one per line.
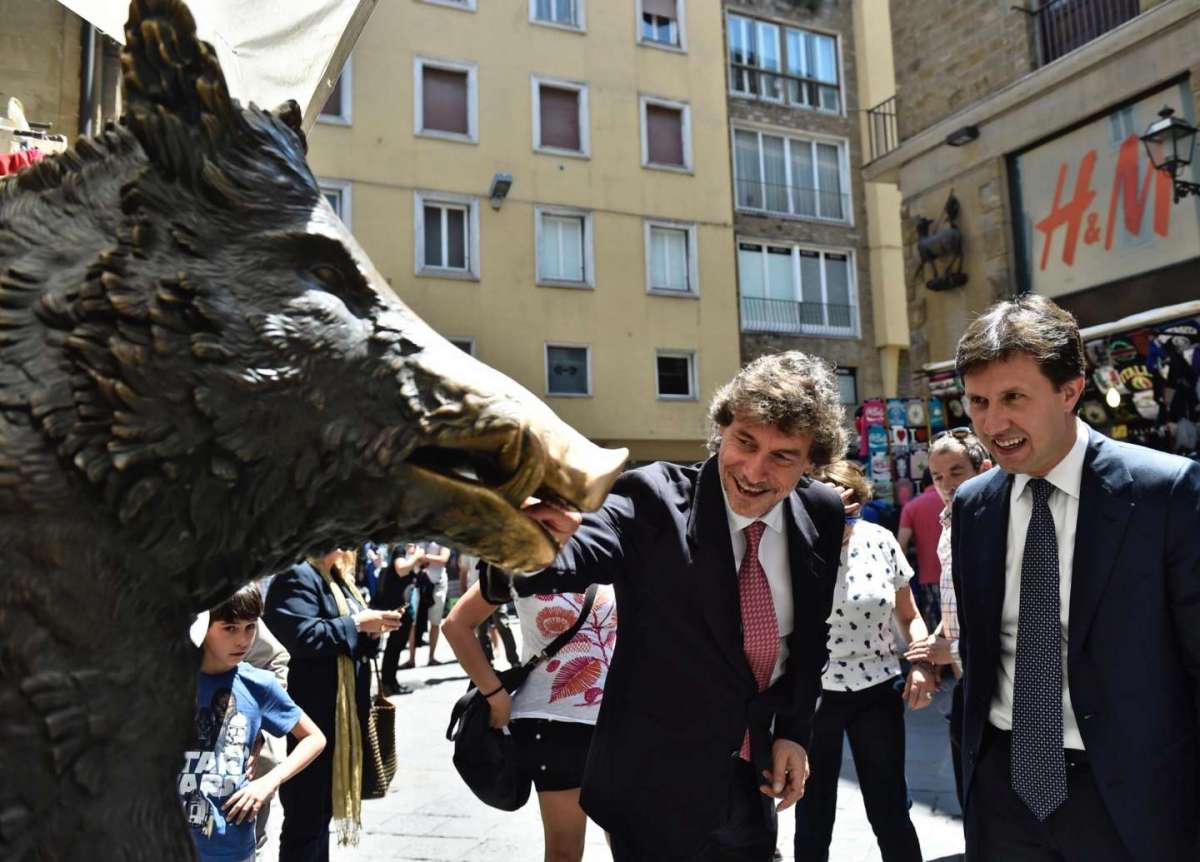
(87, 93)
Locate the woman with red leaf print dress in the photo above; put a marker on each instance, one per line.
(552, 715)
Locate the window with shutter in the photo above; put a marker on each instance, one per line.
(665, 131)
(660, 22)
(445, 93)
(560, 118)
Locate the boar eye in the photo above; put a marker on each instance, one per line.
(328, 274)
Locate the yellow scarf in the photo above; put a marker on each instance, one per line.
(347, 737)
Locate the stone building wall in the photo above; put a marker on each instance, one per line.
(936, 318)
(40, 52)
(952, 53)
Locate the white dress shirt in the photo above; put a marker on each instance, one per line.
(773, 556)
(1064, 508)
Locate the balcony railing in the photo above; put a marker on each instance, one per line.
(881, 127)
(1061, 26)
(798, 318)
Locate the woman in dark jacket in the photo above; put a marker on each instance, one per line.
(318, 614)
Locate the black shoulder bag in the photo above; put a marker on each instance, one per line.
(486, 757)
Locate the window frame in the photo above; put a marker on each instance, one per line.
(461, 5)
(472, 70)
(680, 23)
(852, 373)
(588, 250)
(345, 190)
(546, 368)
(809, 330)
(585, 141)
(468, 341)
(693, 374)
(789, 136)
(420, 268)
(580, 14)
(346, 117)
(785, 100)
(693, 254)
(688, 166)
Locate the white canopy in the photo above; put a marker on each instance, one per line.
(270, 50)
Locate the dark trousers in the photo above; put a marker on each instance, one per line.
(307, 809)
(396, 642)
(746, 834)
(956, 720)
(1000, 828)
(506, 638)
(873, 718)
(308, 799)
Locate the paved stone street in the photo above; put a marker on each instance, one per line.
(429, 814)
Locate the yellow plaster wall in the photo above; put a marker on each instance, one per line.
(509, 317)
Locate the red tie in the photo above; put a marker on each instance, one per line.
(760, 628)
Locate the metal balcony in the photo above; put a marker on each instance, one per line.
(881, 127)
(1061, 26)
(798, 318)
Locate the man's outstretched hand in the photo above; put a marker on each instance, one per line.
(561, 523)
(786, 779)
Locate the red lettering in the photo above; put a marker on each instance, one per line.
(1071, 213)
(1125, 191)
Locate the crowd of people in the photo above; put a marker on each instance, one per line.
(763, 622)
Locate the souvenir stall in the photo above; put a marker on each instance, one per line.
(1143, 379)
(894, 437)
(23, 143)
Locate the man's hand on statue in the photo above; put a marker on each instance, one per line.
(785, 781)
(560, 523)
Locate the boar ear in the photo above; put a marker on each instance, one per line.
(174, 88)
(290, 115)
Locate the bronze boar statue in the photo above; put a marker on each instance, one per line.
(203, 378)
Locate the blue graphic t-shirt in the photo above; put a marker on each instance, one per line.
(231, 708)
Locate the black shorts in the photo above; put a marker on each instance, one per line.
(552, 753)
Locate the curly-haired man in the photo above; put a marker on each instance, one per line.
(724, 576)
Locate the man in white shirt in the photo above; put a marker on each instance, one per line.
(1077, 571)
(954, 457)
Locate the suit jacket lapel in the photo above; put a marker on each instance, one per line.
(713, 569)
(986, 579)
(1105, 507)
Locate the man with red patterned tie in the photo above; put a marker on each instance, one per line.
(724, 573)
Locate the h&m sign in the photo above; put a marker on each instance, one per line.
(1093, 210)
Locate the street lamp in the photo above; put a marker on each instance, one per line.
(1170, 143)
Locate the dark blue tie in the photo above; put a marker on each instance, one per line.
(1039, 768)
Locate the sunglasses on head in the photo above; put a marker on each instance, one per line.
(956, 433)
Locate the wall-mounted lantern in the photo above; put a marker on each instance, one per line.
(1170, 144)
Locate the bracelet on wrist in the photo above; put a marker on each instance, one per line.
(496, 690)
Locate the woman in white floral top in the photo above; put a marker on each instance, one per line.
(552, 715)
(864, 692)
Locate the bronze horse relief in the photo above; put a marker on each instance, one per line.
(202, 379)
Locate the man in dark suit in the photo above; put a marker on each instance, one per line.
(724, 576)
(1076, 564)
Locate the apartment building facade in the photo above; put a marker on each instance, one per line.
(1030, 118)
(547, 184)
(801, 209)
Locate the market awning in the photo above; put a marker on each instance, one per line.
(1141, 320)
(270, 50)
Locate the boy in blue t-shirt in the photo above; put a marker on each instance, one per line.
(233, 702)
